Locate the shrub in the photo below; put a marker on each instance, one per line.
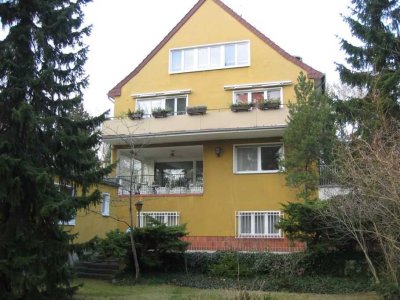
(200, 262)
(388, 291)
(158, 246)
(280, 265)
(229, 265)
(113, 246)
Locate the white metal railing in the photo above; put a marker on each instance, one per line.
(153, 185)
(169, 218)
(328, 175)
(258, 224)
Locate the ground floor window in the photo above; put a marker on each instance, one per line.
(169, 218)
(258, 224)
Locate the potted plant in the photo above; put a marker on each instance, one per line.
(196, 110)
(269, 104)
(238, 107)
(136, 115)
(159, 112)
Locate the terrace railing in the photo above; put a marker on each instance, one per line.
(328, 175)
(158, 185)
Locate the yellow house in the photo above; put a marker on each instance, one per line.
(216, 171)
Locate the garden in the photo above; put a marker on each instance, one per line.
(167, 271)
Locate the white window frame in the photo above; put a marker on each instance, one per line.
(156, 215)
(209, 66)
(105, 205)
(268, 233)
(249, 92)
(258, 146)
(163, 103)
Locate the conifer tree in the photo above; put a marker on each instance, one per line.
(309, 138)
(373, 65)
(48, 161)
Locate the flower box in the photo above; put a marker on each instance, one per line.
(269, 104)
(239, 107)
(160, 113)
(196, 110)
(136, 115)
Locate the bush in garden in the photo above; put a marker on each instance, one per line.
(228, 265)
(159, 247)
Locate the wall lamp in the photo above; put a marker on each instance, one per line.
(139, 205)
(218, 151)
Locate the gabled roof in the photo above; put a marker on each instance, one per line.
(311, 73)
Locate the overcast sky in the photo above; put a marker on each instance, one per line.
(125, 31)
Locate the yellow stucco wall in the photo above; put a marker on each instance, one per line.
(90, 222)
(209, 25)
(213, 212)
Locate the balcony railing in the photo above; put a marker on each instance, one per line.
(158, 185)
(328, 175)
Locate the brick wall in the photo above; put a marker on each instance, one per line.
(213, 243)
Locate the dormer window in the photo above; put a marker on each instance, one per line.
(210, 57)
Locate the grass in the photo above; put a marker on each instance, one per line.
(96, 289)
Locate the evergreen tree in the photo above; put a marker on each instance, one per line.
(44, 152)
(373, 65)
(309, 138)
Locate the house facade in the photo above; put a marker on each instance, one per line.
(216, 171)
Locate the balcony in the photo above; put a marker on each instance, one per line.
(159, 185)
(170, 170)
(217, 124)
(328, 175)
(329, 185)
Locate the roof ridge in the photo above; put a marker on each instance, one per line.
(311, 72)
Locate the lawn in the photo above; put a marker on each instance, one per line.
(96, 289)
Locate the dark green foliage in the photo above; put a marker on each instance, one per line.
(41, 142)
(200, 262)
(373, 65)
(309, 138)
(229, 265)
(159, 247)
(297, 284)
(113, 245)
(388, 290)
(156, 242)
(307, 222)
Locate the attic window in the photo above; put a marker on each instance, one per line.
(210, 57)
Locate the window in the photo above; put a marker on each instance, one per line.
(217, 56)
(105, 205)
(257, 158)
(168, 218)
(258, 224)
(257, 95)
(176, 105)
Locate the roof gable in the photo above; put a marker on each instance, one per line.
(312, 73)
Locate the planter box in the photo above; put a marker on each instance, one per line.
(241, 107)
(196, 110)
(269, 105)
(160, 114)
(135, 116)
